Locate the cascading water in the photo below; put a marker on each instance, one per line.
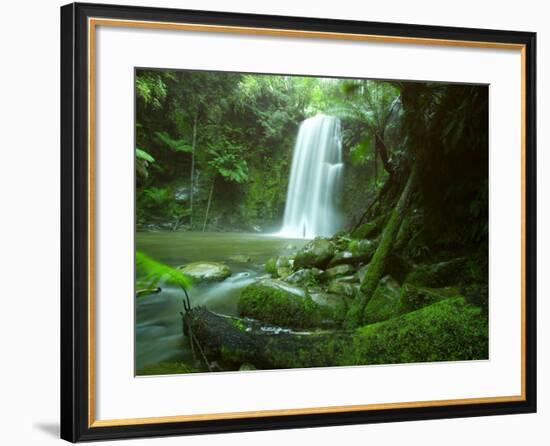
(315, 180)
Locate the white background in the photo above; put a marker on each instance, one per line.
(29, 108)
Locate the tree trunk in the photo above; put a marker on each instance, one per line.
(208, 205)
(378, 263)
(192, 182)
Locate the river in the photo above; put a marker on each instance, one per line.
(158, 333)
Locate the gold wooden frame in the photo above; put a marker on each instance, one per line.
(92, 24)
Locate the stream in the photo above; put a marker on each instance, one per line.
(158, 333)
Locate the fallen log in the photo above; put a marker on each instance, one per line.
(450, 330)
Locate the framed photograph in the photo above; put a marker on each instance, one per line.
(280, 222)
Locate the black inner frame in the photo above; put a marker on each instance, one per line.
(74, 222)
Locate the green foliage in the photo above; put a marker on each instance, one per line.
(151, 88)
(177, 145)
(143, 159)
(363, 152)
(153, 272)
(229, 165)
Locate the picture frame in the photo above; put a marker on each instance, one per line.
(79, 235)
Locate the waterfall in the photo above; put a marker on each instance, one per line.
(315, 180)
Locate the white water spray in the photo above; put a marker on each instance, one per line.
(315, 180)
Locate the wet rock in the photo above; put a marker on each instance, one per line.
(206, 271)
(358, 251)
(279, 266)
(316, 253)
(338, 271)
(328, 299)
(306, 275)
(342, 288)
(354, 279)
(283, 266)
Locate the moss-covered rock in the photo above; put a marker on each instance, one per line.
(305, 276)
(385, 302)
(343, 288)
(279, 266)
(339, 271)
(449, 330)
(284, 266)
(277, 302)
(337, 303)
(270, 266)
(356, 252)
(206, 271)
(367, 230)
(440, 274)
(413, 298)
(316, 253)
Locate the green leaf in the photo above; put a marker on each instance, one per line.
(156, 272)
(177, 145)
(359, 153)
(143, 155)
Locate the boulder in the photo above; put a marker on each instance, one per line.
(206, 271)
(316, 253)
(440, 274)
(358, 251)
(342, 288)
(414, 298)
(339, 271)
(305, 275)
(284, 266)
(279, 266)
(276, 302)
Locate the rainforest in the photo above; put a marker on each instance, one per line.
(300, 221)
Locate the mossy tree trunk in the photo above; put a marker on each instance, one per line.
(454, 330)
(377, 265)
